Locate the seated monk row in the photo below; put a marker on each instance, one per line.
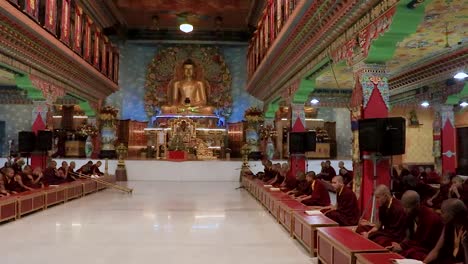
(12, 182)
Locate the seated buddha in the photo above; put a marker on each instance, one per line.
(188, 96)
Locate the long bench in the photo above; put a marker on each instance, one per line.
(340, 245)
(377, 258)
(15, 206)
(305, 228)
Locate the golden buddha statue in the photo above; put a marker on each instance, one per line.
(188, 96)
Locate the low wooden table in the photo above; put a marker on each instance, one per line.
(8, 209)
(89, 186)
(55, 195)
(30, 201)
(340, 245)
(74, 190)
(285, 211)
(305, 228)
(377, 258)
(272, 200)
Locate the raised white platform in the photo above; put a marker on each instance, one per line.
(162, 170)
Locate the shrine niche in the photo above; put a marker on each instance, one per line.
(188, 94)
(201, 67)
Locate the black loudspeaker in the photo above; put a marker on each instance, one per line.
(386, 136)
(296, 142)
(44, 140)
(26, 141)
(301, 142)
(310, 141)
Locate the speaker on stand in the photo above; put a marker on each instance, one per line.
(26, 143)
(44, 144)
(381, 137)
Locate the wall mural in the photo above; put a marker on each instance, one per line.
(17, 118)
(135, 59)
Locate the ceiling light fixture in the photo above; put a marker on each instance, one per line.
(314, 101)
(186, 27)
(460, 75)
(464, 104)
(425, 104)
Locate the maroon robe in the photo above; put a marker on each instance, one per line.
(392, 218)
(51, 177)
(291, 184)
(442, 196)
(303, 188)
(347, 210)
(319, 196)
(278, 181)
(446, 252)
(327, 174)
(11, 185)
(424, 232)
(71, 173)
(95, 170)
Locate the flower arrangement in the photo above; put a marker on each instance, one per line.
(87, 130)
(108, 113)
(254, 114)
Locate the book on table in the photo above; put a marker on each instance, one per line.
(267, 185)
(407, 261)
(273, 189)
(313, 212)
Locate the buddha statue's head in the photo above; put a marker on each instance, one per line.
(189, 68)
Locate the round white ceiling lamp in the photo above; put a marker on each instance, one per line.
(460, 75)
(314, 101)
(425, 104)
(464, 104)
(186, 27)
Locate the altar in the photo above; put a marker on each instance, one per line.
(187, 107)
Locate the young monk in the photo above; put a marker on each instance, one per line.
(452, 246)
(319, 195)
(424, 227)
(301, 185)
(12, 183)
(392, 220)
(441, 194)
(95, 169)
(346, 211)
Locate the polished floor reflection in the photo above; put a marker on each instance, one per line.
(174, 222)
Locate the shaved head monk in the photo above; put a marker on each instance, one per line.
(319, 195)
(391, 226)
(424, 227)
(452, 246)
(346, 211)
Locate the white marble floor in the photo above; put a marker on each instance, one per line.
(172, 222)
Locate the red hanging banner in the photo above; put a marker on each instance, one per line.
(87, 39)
(105, 43)
(78, 29)
(50, 23)
(97, 44)
(110, 72)
(65, 24)
(31, 7)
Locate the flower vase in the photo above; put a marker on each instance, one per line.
(89, 147)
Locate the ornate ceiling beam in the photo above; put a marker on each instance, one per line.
(104, 13)
(429, 71)
(26, 47)
(318, 28)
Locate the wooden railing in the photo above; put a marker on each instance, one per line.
(274, 17)
(66, 21)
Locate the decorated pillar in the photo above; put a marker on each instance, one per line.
(108, 116)
(448, 139)
(370, 99)
(298, 162)
(436, 135)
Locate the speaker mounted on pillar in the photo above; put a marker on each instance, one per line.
(386, 136)
(44, 140)
(26, 141)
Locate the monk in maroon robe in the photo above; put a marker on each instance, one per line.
(52, 176)
(290, 183)
(12, 182)
(71, 174)
(452, 246)
(442, 194)
(346, 211)
(301, 186)
(85, 169)
(459, 190)
(392, 220)
(328, 172)
(424, 227)
(319, 196)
